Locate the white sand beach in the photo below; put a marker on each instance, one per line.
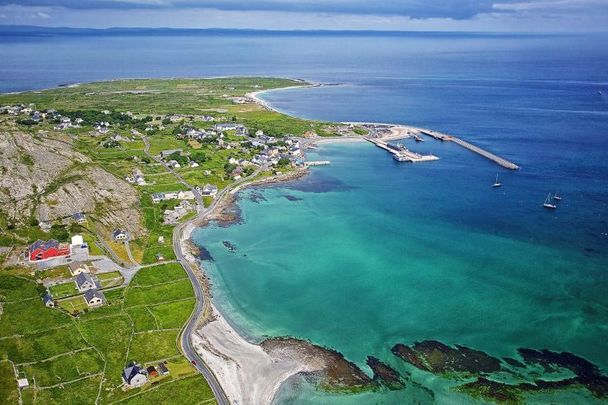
(248, 373)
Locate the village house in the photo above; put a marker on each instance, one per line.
(48, 301)
(42, 250)
(94, 298)
(160, 257)
(133, 376)
(158, 197)
(79, 217)
(185, 195)
(171, 216)
(208, 190)
(174, 164)
(85, 282)
(119, 234)
(77, 268)
(22, 383)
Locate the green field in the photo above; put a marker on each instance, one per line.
(74, 360)
(63, 290)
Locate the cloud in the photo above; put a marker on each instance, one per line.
(417, 9)
(465, 15)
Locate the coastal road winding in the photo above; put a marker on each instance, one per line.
(190, 328)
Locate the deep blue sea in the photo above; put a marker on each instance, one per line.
(367, 252)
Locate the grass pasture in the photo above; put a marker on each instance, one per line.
(76, 359)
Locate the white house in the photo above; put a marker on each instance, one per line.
(77, 268)
(119, 234)
(94, 298)
(133, 376)
(48, 301)
(79, 217)
(22, 383)
(85, 282)
(209, 190)
(185, 195)
(158, 197)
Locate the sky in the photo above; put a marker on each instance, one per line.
(398, 15)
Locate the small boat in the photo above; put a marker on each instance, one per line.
(547, 204)
(418, 138)
(496, 183)
(557, 197)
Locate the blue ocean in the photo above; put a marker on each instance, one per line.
(367, 252)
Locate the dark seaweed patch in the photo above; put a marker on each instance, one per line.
(319, 183)
(204, 254)
(292, 197)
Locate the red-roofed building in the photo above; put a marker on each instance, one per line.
(41, 250)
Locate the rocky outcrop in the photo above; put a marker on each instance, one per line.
(112, 200)
(441, 359)
(46, 177)
(384, 374)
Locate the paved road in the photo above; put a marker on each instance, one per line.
(190, 328)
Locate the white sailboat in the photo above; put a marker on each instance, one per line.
(557, 197)
(496, 183)
(547, 204)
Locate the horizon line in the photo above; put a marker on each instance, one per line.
(4, 28)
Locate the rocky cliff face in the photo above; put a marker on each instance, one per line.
(46, 178)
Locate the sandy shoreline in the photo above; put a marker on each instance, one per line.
(237, 363)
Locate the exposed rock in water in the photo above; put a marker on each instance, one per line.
(442, 359)
(587, 373)
(229, 245)
(513, 363)
(484, 388)
(337, 372)
(226, 213)
(437, 357)
(384, 374)
(292, 197)
(409, 355)
(204, 254)
(256, 197)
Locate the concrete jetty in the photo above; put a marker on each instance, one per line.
(317, 163)
(402, 154)
(488, 155)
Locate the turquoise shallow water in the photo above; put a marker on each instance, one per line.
(367, 252)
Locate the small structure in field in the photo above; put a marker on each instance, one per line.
(85, 282)
(94, 298)
(79, 217)
(133, 376)
(119, 234)
(48, 301)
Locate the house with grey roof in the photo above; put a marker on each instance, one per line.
(133, 376)
(79, 217)
(48, 301)
(119, 234)
(94, 298)
(85, 282)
